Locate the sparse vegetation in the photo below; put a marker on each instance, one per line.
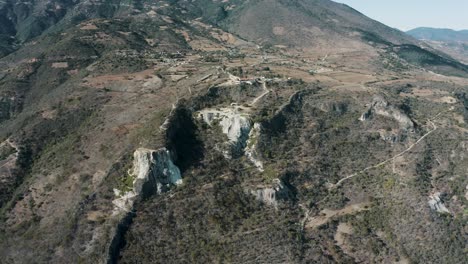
(81, 91)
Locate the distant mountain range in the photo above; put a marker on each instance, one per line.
(227, 131)
(439, 34)
(452, 42)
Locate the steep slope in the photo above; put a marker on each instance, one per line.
(24, 20)
(299, 23)
(327, 26)
(307, 24)
(172, 132)
(318, 24)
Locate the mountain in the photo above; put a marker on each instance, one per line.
(454, 43)
(302, 23)
(256, 131)
(439, 34)
(313, 24)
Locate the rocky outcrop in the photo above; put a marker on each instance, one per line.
(242, 136)
(9, 104)
(153, 173)
(8, 164)
(436, 204)
(380, 106)
(271, 195)
(334, 107)
(234, 124)
(366, 115)
(251, 150)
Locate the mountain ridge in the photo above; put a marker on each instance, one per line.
(227, 131)
(439, 34)
(454, 43)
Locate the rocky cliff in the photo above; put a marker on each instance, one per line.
(153, 173)
(106, 106)
(381, 107)
(233, 123)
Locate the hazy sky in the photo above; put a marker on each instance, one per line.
(409, 14)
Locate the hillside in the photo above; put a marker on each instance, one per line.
(300, 23)
(454, 43)
(256, 131)
(439, 34)
(319, 25)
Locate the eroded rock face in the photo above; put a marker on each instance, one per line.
(436, 203)
(381, 107)
(8, 164)
(336, 107)
(270, 195)
(8, 105)
(235, 125)
(157, 167)
(153, 172)
(251, 149)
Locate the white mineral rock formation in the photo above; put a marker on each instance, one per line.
(271, 194)
(153, 172)
(251, 149)
(234, 124)
(381, 107)
(436, 203)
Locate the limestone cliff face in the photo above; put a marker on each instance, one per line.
(235, 125)
(8, 164)
(436, 203)
(251, 150)
(153, 172)
(157, 168)
(380, 106)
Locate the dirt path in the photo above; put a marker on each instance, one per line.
(266, 91)
(165, 124)
(331, 186)
(327, 214)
